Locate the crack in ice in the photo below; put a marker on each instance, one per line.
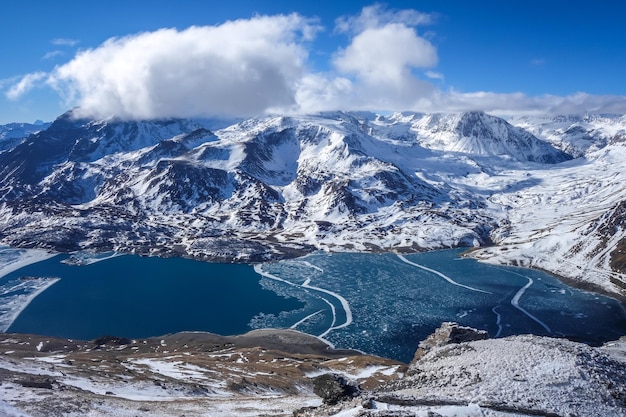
(344, 303)
(310, 265)
(447, 278)
(518, 295)
(498, 321)
(293, 326)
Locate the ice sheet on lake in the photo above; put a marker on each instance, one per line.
(329, 297)
(394, 304)
(16, 294)
(447, 278)
(87, 258)
(14, 259)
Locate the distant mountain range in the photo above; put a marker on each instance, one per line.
(546, 192)
(14, 133)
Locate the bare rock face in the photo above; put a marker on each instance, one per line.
(334, 388)
(448, 333)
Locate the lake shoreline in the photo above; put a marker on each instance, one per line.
(572, 282)
(462, 278)
(287, 252)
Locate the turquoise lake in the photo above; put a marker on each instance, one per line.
(378, 303)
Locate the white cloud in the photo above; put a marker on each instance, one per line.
(377, 15)
(435, 75)
(52, 54)
(260, 65)
(25, 84)
(4, 82)
(317, 92)
(386, 54)
(507, 104)
(64, 42)
(239, 68)
(376, 70)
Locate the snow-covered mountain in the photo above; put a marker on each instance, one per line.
(13, 133)
(575, 134)
(473, 133)
(281, 186)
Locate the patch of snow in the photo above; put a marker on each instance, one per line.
(7, 410)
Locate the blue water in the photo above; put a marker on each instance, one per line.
(134, 296)
(391, 304)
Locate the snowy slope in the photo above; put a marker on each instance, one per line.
(568, 220)
(514, 376)
(474, 133)
(273, 373)
(575, 134)
(14, 133)
(281, 186)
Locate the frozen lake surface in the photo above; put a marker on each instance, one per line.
(395, 301)
(378, 303)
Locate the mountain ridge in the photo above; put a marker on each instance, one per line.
(281, 186)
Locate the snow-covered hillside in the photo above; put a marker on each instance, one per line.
(281, 186)
(517, 376)
(13, 133)
(286, 373)
(474, 133)
(575, 134)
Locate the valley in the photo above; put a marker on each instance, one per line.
(546, 193)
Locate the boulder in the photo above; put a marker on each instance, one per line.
(334, 388)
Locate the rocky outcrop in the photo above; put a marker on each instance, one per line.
(460, 372)
(448, 333)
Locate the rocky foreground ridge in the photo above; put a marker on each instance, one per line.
(456, 372)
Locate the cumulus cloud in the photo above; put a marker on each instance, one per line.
(386, 54)
(260, 65)
(239, 68)
(317, 92)
(377, 69)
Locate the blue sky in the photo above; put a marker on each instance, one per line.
(499, 56)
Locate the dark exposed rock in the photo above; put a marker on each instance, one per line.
(334, 388)
(112, 340)
(37, 382)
